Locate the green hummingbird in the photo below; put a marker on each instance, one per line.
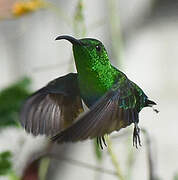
(113, 100)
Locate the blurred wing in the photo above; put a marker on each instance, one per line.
(52, 108)
(115, 110)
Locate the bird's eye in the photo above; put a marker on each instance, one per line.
(98, 48)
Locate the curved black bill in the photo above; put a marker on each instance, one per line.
(70, 39)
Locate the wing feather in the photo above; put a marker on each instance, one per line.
(53, 107)
(115, 110)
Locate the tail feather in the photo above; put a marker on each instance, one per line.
(151, 104)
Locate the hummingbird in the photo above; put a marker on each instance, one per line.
(113, 101)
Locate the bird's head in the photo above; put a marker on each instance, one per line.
(88, 52)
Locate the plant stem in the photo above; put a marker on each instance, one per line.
(81, 164)
(44, 164)
(114, 159)
(115, 28)
(150, 156)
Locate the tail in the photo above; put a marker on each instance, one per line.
(150, 103)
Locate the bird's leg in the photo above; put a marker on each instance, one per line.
(136, 136)
(101, 141)
(104, 141)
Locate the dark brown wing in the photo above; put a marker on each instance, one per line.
(52, 108)
(115, 110)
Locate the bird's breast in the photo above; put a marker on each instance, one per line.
(91, 91)
(93, 85)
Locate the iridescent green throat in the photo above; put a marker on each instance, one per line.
(95, 73)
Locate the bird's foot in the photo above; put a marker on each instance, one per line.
(136, 136)
(101, 141)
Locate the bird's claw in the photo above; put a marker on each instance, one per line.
(136, 136)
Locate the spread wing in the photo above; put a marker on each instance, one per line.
(117, 109)
(53, 107)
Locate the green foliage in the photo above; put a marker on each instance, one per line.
(6, 166)
(5, 163)
(11, 99)
(175, 176)
(13, 176)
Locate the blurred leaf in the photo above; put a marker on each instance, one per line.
(98, 151)
(13, 176)
(5, 163)
(6, 166)
(176, 176)
(11, 99)
(43, 169)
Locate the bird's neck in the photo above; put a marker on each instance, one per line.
(96, 80)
